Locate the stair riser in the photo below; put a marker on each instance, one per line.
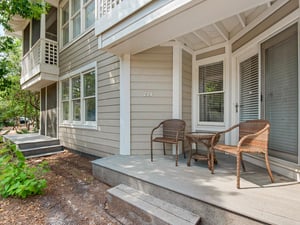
(38, 144)
(41, 151)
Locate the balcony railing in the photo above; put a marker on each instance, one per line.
(44, 52)
(106, 6)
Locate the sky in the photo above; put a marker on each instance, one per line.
(1, 31)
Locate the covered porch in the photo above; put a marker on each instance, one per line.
(213, 197)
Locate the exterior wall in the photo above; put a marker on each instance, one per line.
(187, 89)
(105, 140)
(151, 96)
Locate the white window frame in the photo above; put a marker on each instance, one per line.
(70, 23)
(215, 59)
(82, 123)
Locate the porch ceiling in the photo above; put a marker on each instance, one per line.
(194, 27)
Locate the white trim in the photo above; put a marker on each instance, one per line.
(46, 109)
(194, 90)
(125, 131)
(298, 178)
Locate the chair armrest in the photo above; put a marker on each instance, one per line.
(243, 139)
(217, 136)
(155, 128)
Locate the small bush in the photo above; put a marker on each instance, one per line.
(17, 178)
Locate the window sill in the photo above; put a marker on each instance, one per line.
(79, 126)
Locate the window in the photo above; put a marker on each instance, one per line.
(78, 99)
(65, 99)
(210, 92)
(65, 23)
(89, 10)
(77, 16)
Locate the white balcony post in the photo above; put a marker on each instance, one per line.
(43, 26)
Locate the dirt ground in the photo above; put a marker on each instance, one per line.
(72, 197)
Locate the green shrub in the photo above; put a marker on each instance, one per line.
(17, 178)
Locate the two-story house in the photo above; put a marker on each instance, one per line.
(110, 70)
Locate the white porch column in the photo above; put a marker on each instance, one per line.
(177, 86)
(125, 105)
(177, 82)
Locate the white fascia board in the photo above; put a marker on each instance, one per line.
(174, 19)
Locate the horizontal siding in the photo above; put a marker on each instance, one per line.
(105, 140)
(151, 71)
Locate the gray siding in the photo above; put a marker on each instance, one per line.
(151, 72)
(187, 89)
(106, 139)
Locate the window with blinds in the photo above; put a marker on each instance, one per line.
(211, 94)
(249, 94)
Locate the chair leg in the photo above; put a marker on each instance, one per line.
(183, 149)
(177, 154)
(243, 165)
(164, 148)
(268, 167)
(238, 168)
(212, 159)
(151, 151)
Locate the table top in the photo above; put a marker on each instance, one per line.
(201, 134)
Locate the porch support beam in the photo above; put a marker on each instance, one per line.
(242, 20)
(203, 37)
(222, 30)
(125, 105)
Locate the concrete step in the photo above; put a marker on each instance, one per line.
(37, 144)
(42, 151)
(141, 208)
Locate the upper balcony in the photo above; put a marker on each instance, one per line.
(40, 65)
(40, 50)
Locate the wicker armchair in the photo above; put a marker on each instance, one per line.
(173, 132)
(253, 138)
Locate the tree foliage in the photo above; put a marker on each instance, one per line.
(15, 102)
(9, 60)
(25, 8)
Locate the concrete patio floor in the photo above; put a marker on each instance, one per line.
(258, 199)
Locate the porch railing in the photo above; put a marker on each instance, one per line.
(106, 6)
(43, 52)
